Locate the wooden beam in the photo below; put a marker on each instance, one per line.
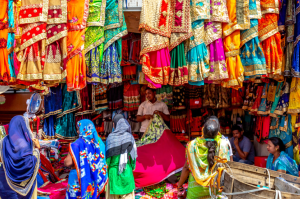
(132, 21)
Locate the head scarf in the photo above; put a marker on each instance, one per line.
(197, 152)
(88, 152)
(121, 142)
(20, 159)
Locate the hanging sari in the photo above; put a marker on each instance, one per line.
(65, 128)
(11, 40)
(213, 40)
(77, 21)
(296, 60)
(181, 31)
(32, 52)
(20, 161)
(94, 39)
(290, 21)
(5, 74)
(201, 174)
(115, 28)
(89, 178)
(283, 103)
(294, 101)
(286, 134)
(165, 94)
(252, 55)
(155, 26)
(101, 102)
(56, 44)
(160, 150)
(270, 40)
(53, 106)
(231, 39)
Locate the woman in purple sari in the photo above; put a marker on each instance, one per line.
(20, 162)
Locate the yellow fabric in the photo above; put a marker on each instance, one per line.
(197, 159)
(233, 61)
(294, 102)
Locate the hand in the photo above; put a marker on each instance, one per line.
(148, 117)
(36, 143)
(157, 112)
(236, 141)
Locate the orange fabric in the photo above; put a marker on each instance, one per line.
(271, 42)
(233, 61)
(4, 67)
(76, 67)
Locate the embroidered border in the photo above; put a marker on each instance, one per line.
(256, 14)
(42, 18)
(249, 34)
(266, 36)
(184, 14)
(94, 45)
(56, 37)
(120, 24)
(63, 18)
(115, 38)
(232, 53)
(33, 40)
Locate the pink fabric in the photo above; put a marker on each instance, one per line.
(158, 160)
(57, 190)
(6, 128)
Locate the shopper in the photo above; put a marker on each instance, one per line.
(243, 149)
(278, 160)
(201, 154)
(20, 161)
(121, 153)
(87, 155)
(150, 107)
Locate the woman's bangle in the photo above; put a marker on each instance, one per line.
(180, 189)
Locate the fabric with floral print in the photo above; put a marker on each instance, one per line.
(88, 152)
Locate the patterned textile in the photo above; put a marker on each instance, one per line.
(252, 55)
(197, 158)
(296, 61)
(101, 102)
(218, 69)
(178, 69)
(65, 128)
(179, 97)
(132, 98)
(283, 103)
(5, 74)
(197, 55)
(53, 106)
(94, 38)
(270, 40)
(154, 131)
(87, 98)
(294, 101)
(165, 94)
(110, 68)
(88, 154)
(157, 191)
(11, 40)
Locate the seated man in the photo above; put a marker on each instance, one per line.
(242, 147)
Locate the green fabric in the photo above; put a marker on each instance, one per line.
(157, 191)
(65, 123)
(2, 132)
(96, 12)
(154, 131)
(196, 191)
(120, 184)
(115, 25)
(93, 37)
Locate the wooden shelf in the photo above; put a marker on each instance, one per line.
(132, 19)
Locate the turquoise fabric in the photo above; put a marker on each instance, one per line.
(252, 55)
(11, 39)
(283, 162)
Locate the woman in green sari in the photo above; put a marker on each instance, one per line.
(200, 165)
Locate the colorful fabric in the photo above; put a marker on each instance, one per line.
(57, 190)
(88, 154)
(178, 69)
(197, 55)
(283, 162)
(94, 38)
(294, 101)
(157, 191)
(65, 128)
(252, 55)
(20, 160)
(197, 158)
(165, 94)
(115, 96)
(296, 61)
(154, 151)
(101, 102)
(132, 98)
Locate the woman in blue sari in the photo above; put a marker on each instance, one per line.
(20, 161)
(278, 160)
(87, 154)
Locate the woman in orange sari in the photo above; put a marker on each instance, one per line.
(76, 67)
